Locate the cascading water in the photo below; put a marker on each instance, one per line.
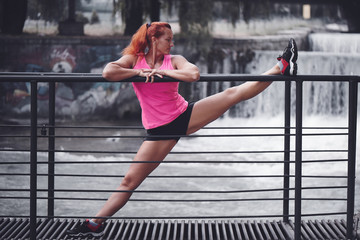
(335, 42)
(319, 97)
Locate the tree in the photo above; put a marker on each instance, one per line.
(52, 10)
(133, 15)
(133, 12)
(194, 18)
(351, 10)
(255, 8)
(13, 16)
(154, 10)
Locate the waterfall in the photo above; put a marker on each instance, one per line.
(335, 42)
(319, 97)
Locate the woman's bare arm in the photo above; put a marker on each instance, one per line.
(121, 69)
(183, 70)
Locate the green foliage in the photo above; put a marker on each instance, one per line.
(48, 10)
(118, 6)
(133, 14)
(232, 10)
(94, 17)
(255, 9)
(351, 10)
(194, 18)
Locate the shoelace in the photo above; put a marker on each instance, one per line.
(280, 56)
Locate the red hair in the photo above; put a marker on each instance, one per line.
(142, 38)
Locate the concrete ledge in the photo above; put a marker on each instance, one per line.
(71, 28)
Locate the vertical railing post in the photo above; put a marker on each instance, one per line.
(51, 148)
(298, 157)
(33, 161)
(287, 115)
(353, 98)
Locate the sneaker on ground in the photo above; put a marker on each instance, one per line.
(288, 59)
(85, 229)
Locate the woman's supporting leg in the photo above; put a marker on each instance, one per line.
(138, 171)
(210, 108)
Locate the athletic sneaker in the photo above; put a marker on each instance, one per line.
(288, 59)
(85, 229)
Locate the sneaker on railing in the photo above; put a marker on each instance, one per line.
(288, 59)
(85, 229)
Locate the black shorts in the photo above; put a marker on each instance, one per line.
(172, 130)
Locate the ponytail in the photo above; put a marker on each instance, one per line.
(138, 42)
(142, 38)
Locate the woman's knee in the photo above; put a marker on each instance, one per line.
(233, 95)
(230, 91)
(129, 182)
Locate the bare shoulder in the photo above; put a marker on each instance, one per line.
(177, 58)
(127, 61)
(178, 61)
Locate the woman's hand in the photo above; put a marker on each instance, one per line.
(150, 73)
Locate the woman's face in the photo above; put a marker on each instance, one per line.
(165, 42)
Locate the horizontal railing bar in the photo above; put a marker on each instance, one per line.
(325, 150)
(164, 162)
(322, 214)
(183, 217)
(199, 152)
(183, 136)
(147, 191)
(177, 191)
(158, 136)
(173, 218)
(173, 161)
(132, 152)
(15, 136)
(138, 127)
(160, 176)
(95, 77)
(316, 176)
(323, 187)
(328, 160)
(179, 200)
(167, 162)
(142, 128)
(172, 153)
(173, 176)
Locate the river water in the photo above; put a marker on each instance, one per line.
(169, 168)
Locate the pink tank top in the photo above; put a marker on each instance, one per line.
(160, 102)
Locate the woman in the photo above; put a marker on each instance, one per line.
(164, 110)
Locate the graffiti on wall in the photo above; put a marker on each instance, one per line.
(62, 60)
(72, 99)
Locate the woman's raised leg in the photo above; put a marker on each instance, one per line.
(152, 151)
(210, 108)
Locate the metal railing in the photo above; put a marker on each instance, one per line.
(51, 128)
